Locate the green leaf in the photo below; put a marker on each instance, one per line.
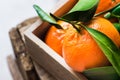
(45, 17)
(83, 11)
(111, 51)
(102, 73)
(84, 5)
(58, 18)
(116, 12)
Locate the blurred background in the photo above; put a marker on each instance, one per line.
(13, 12)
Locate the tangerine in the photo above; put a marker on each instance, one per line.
(80, 50)
(54, 37)
(106, 4)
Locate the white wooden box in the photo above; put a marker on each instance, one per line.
(44, 55)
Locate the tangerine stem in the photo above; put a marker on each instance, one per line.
(114, 0)
(119, 20)
(75, 25)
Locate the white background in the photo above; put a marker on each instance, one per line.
(13, 12)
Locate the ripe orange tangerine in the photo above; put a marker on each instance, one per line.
(54, 37)
(80, 50)
(106, 4)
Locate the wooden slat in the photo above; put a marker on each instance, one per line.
(14, 68)
(63, 7)
(18, 48)
(44, 75)
(25, 25)
(23, 60)
(17, 43)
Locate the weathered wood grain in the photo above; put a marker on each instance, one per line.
(14, 68)
(23, 60)
(25, 25)
(44, 75)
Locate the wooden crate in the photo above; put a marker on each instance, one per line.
(22, 67)
(44, 55)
